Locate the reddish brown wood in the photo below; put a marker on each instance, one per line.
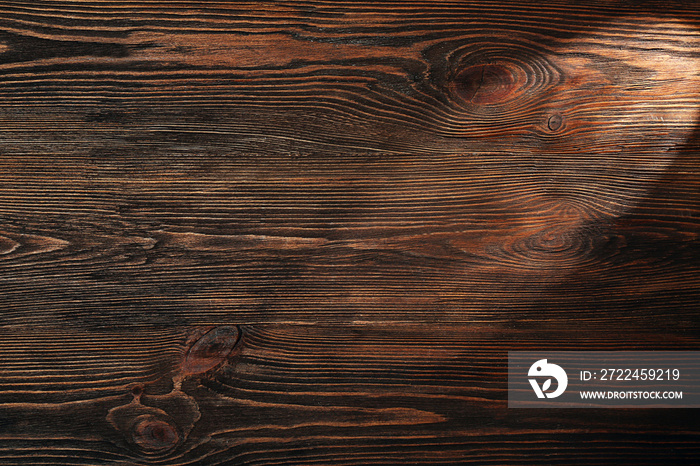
(309, 232)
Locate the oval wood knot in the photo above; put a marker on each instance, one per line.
(155, 435)
(554, 245)
(555, 122)
(210, 350)
(485, 84)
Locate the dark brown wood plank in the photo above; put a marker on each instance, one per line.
(371, 201)
(340, 162)
(362, 394)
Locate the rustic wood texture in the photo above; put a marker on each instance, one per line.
(309, 232)
(292, 394)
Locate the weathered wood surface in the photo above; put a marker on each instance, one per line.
(309, 232)
(295, 394)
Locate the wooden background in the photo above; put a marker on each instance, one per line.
(308, 232)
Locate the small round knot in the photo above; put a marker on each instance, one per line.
(555, 122)
(155, 435)
(137, 391)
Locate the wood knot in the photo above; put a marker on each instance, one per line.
(137, 391)
(210, 350)
(555, 122)
(485, 84)
(154, 435)
(155, 424)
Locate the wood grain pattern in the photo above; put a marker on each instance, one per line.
(308, 232)
(364, 394)
(299, 163)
